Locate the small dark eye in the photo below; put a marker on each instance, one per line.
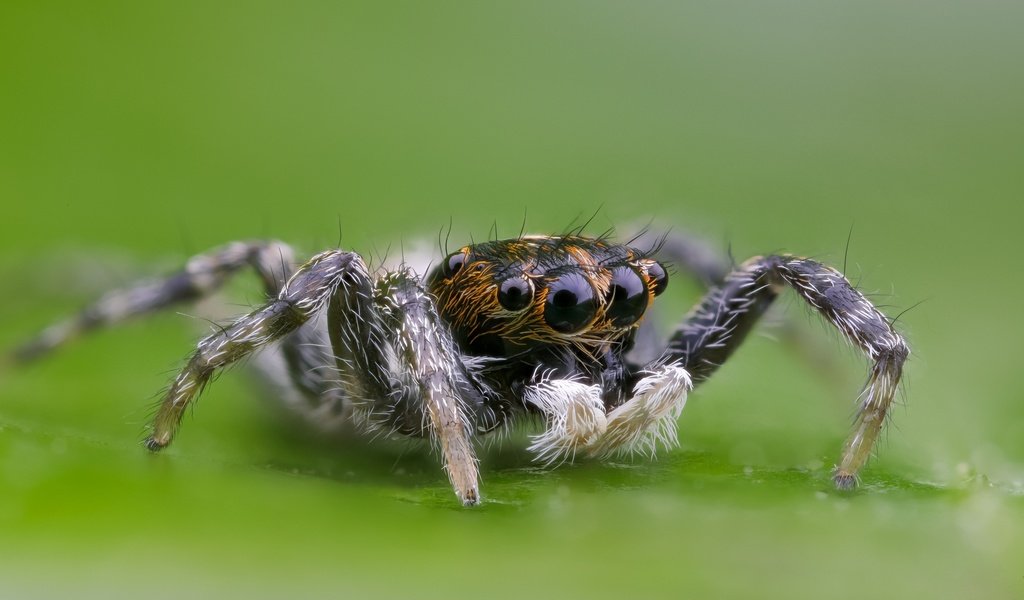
(453, 264)
(569, 305)
(515, 293)
(627, 297)
(658, 275)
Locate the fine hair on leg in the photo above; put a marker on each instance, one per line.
(305, 294)
(203, 274)
(720, 322)
(402, 369)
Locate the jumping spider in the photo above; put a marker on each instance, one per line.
(536, 325)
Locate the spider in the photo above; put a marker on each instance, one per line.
(548, 326)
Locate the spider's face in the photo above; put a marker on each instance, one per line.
(507, 296)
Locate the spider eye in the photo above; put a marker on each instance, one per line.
(515, 293)
(453, 264)
(658, 275)
(627, 297)
(569, 305)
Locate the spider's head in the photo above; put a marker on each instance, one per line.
(509, 296)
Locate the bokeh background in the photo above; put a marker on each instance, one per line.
(134, 134)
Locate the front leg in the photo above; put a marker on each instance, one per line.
(302, 297)
(391, 355)
(400, 366)
(721, 321)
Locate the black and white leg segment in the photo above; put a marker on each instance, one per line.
(429, 353)
(202, 275)
(708, 264)
(577, 421)
(414, 370)
(403, 370)
(721, 321)
(306, 293)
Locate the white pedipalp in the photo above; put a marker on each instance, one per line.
(574, 415)
(648, 419)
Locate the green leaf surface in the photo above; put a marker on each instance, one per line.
(135, 134)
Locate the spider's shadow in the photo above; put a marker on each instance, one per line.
(409, 464)
(510, 474)
(412, 469)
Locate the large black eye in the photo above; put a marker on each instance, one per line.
(658, 275)
(627, 296)
(570, 303)
(515, 293)
(453, 264)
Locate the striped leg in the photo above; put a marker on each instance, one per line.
(401, 367)
(696, 257)
(723, 318)
(305, 294)
(202, 275)
(303, 352)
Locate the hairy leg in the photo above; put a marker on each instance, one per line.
(720, 322)
(420, 371)
(203, 274)
(403, 370)
(302, 352)
(304, 295)
(703, 261)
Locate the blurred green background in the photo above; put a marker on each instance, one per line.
(133, 134)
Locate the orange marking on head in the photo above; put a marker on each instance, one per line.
(468, 298)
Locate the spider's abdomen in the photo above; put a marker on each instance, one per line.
(506, 297)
